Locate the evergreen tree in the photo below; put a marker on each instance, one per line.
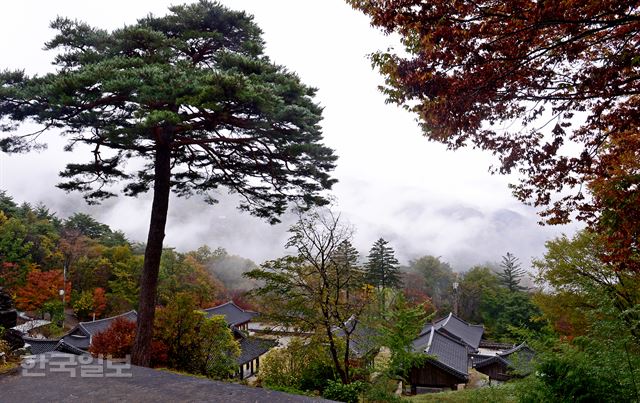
(511, 273)
(345, 255)
(192, 95)
(345, 260)
(382, 266)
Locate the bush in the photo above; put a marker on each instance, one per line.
(316, 376)
(195, 343)
(382, 390)
(116, 341)
(338, 391)
(276, 371)
(586, 370)
(303, 365)
(573, 377)
(55, 309)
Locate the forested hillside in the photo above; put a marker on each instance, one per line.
(102, 266)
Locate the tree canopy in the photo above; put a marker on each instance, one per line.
(551, 88)
(196, 80)
(191, 95)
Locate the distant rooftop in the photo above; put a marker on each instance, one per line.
(518, 358)
(41, 346)
(252, 348)
(459, 328)
(233, 314)
(97, 326)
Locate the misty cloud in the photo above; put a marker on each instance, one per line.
(394, 184)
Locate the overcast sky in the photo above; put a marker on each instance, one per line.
(393, 183)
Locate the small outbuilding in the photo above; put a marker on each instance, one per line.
(511, 363)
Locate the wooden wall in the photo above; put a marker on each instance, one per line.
(431, 376)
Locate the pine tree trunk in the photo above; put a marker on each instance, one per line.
(141, 354)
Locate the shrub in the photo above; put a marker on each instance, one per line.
(301, 365)
(116, 341)
(195, 343)
(338, 391)
(316, 376)
(382, 390)
(55, 309)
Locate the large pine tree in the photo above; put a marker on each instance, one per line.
(382, 266)
(192, 98)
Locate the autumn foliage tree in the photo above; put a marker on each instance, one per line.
(116, 341)
(90, 303)
(552, 88)
(41, 287)
(191, 95)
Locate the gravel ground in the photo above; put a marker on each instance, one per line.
(55, 377)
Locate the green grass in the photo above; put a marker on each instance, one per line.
(492, 394)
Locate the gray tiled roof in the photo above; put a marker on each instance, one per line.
(518, 358)
(489, 361)
(233, 314)
(64, 347)
(42, 346)
(252, 348)
(94, 327)
(362, 340)
(521, 347)
(77, 339)
(448, 353)
(456, 327)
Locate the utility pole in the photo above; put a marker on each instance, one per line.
(62, 292)
(455, 295)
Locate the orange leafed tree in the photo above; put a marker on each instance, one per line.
(519, 78)
(473, 68)
(117, 342)
(99, 301)
(41, 287)
(552, 88)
